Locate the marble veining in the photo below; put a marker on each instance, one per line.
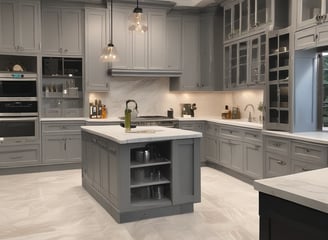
(54, 206)
(307, 188)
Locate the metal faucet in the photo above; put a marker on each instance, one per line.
(250, 114)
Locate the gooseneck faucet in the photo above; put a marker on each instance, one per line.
(250, 114)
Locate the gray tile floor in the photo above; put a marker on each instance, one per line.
(53, 205)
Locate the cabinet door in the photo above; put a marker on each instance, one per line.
(174, 44)
(257, 59)
(73, 148)
(322, 35)
(225, 153)
(71, 32)
(139, 50)
(157, 40)
(307, 12)
(236, 155)
(191, 54)
(53, 149)
(243, 63)
(210, 149)
(29, 26)
(305, 38)
(276, 165)
(8, 24)
(95, 71)
(253, 160)
(51, 30)
(185, 171)
(122, 38)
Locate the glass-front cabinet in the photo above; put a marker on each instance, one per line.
(324, 89)
(62, 87)
(245, 16)
(257, 55)
(311, 12)
(278, 85)
(245, 62)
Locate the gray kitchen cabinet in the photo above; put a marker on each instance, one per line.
(279, 97)
(277, 156)
(96, 76)
(253, 154)
(20, 26)
(61, 142)
(62, 31)
(211, 142)
(308, 156)
(21, 155)
(174, 42)
(231, 154)
(311, 13)
(312, 37)
(140, 53)
(197, 126)
(211, 50)
(191, 75)
(253, 160)
(257, 60)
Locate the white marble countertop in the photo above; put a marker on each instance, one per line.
(140, 134)
(315, 137)
(309, 189)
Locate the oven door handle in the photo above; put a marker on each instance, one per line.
(18, 118)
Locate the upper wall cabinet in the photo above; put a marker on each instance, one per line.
(196, 48)
(248, 17)
(244, 63)
(20, 26)
(140, 53)
(244, 16)
(62, 31)
(96, 75)
(311, 12)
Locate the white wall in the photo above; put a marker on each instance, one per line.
(154, 98)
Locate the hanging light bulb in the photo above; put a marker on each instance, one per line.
(109, 53)
(137, 20)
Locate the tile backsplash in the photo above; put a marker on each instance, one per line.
(154, 98)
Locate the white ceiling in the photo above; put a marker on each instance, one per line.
(199, 3)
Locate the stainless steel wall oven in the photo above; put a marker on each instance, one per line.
(19, 117)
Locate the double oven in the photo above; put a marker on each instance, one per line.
(19, 116)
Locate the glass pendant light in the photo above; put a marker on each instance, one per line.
(109, 53)
(137, 20)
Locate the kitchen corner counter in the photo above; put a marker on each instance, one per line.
(309, 189)
(315, 137)
(140, 134)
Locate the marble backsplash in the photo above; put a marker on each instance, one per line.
(154, 98)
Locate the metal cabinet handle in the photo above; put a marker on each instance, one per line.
(277, 144)
(282, 163)
(65, 144)
(305, 169)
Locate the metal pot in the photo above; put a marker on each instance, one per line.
(142, 155)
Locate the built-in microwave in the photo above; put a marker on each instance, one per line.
(18, 84)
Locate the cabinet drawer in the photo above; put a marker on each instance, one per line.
(299, 166)
(16, 156)
(277, 145)
(231, 133)
(61, 127)
(309, 152)
(253, 136)
(192, 126)
(276, 165)
(211, 129)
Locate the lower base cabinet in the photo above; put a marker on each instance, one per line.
(19, 155)
(253, 160)
(231, 154)
(61, 149)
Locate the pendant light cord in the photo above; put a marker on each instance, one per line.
(111, 21)
(137, 3)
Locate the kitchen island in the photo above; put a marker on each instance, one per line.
(294, 206)
(148, 172)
